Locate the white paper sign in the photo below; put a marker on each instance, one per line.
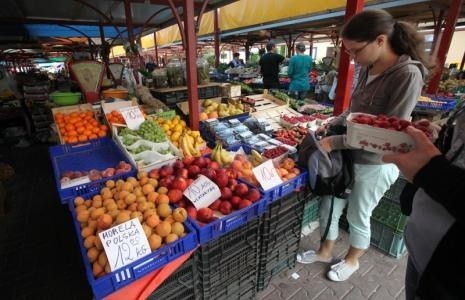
(124, 243)
(74, 182)
(266, 175)
(202, 192)
(133, 116)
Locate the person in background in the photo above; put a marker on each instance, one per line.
(436, 264)
(299, 67)
(394, 66)
(236, 62)
(269, 67)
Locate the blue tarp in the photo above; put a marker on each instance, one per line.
(51, 30)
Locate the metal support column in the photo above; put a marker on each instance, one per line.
(463, 62)
(216, 32)
(452, 15)
(346, 69)
(155, 46)
(191, 64)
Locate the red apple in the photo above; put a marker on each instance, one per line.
(175, 195)
(221, 179)
(244, 203)
(213, 165)
(226, 193)
(225, 207)
(231, 173)
(178, 165)
(166, 182)
(241, 189)
(182, 173)
(253, 195)
(193, 171)
(220, 171)
(204, 215)
(215, 205)
(187, 161)
(200, 161)
(154, 174)
(179, 183)
(235, 200)
(165, 171)
(232, 183)
(209, 173)
(192, 212)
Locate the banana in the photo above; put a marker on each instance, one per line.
(184, 146)
(225, 156)
(257, 156)
(190, 146)
(216, 155)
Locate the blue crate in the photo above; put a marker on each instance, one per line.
(97, 154)
(283, 189)
(122, 277)
(226, 224)
(446, 103)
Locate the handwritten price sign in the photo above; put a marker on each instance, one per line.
(266, 175)
(124, 243)
(133, 116)
(202, 192)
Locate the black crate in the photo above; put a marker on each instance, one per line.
(268, 275)
(181, 285)
(280, 236)
(209, 92)
(241, 286)
(224, 261)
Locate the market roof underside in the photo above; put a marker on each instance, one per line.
(328, 23)
(27, 22)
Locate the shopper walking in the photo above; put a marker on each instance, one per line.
(394, 66)
(298, 70)
(269, 67)
(436, 223)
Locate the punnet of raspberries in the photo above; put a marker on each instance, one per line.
(392, 123)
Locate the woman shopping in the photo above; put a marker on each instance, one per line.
(394, 66)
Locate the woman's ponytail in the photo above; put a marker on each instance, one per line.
(406, 40)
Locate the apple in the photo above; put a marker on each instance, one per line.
(244, 203)
(241, 189)
(225, 207)
(232, 182)
(221, 171)
(231, 173)
(204, 215)
(200, 161)
(221, 179)
(193, 171)
(166, 182)
(154, 174)
(253, 195)
(215, 205)
(209, 173)
(235, 200)
(226, 193)
(178, 165)
(175, 195)
(213, 165)
(191, 211)
(187, 161)
(179, 183)
(182, 173)
(165, 171)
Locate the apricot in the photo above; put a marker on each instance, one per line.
(177, 228)
(163, 210)
(163, 229)
(154, 242)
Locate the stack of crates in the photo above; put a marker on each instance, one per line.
(387, 222)
(227, 266)
(280, 236)
(36, 98)
(311, 211)
(181, 285)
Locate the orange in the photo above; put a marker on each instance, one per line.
(82, 138)
(69, 127)
(104, 127)
(72, 133)
(72, 139)
(59, 115)
(87, 132)
(93, 136)
(102, 133)
(80, 129)
(73, 120)
(89, 127)
(94, 122)
(74, 114)
(95, 130)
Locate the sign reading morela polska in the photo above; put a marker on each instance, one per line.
(124, 243)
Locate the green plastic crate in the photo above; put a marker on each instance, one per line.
(389, 214)
(395, 190)
(385, 239)
(169, 114)
(311, 211)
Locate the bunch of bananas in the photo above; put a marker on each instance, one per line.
(191, 143)
(256, 158)
(220, 155)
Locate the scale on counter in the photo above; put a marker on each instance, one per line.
(116, 70)
(89, 75)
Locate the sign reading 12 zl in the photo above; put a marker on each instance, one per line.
(133, 116)
(124, 243)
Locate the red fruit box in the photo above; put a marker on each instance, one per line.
(376, 139)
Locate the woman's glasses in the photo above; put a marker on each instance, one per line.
(355, 52)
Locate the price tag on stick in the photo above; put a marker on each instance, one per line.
(267, 175)
(133, 116)
(124, 243)
(202, 192)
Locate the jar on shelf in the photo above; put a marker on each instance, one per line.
(175, 73)
(160, 78)
(203, 69)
